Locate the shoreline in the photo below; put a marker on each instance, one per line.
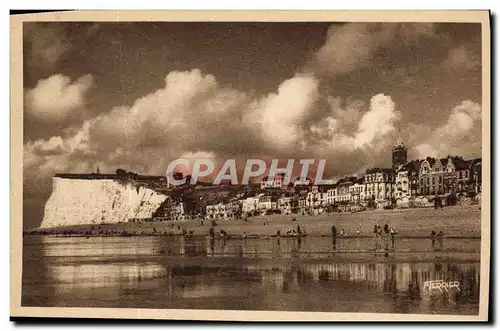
(290, 259)
(249, 237)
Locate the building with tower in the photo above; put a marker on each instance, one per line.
(399, 155)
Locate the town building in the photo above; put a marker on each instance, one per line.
(331, 195)
(449, 175)
(357, 191)
(424, 176)
(171, 209)
(221, 211)
(463, 174)
(265, 202)
(317, 198)
(476, 175)
(285, 205)
(343, 192)
(407, 180)
(302, 205)
(379, 185)
(272, 182)
(250, 204)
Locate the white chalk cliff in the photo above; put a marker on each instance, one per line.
(84, 201)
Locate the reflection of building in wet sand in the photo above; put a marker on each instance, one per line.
(86, 282)
(95, 275)
(386, 277)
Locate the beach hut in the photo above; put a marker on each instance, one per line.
(418, 201)
(428, 201)
(403, 202)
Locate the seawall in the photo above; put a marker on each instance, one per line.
(96, 201)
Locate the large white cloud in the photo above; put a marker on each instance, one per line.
(459, 135)
(280, 114)
(57, 97)
(192, 113)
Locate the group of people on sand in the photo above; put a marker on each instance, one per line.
(222, 233)
(293, 233)
(439, 237)
(342, 234)
(384, 234)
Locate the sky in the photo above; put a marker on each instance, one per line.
(139, 95)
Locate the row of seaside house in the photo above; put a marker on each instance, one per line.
(418, 183)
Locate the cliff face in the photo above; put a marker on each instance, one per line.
(83, 201)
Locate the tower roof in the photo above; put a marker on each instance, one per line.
(399, 143)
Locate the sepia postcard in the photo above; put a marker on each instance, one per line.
(251, 165)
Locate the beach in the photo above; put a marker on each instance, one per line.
(455, 221)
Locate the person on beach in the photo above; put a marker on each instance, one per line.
(278, 233)
(393, 233)
(211, 233)
(433, 239)
(299, 232)
(386, 235)
(440, 236)
(334, 236)
(375, 236)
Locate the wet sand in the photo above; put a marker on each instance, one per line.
(253, 274)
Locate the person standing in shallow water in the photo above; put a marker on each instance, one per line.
(393, 233)
(433, 239)
(440, 236)
(375, 236)
(334, 237)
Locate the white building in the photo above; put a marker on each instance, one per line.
(331, 196)
(343, 189)
(179, 211)
(317, 198)
(285, 205)
(220, 211)
(250, 204)
(379, 184)
(357, 191)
